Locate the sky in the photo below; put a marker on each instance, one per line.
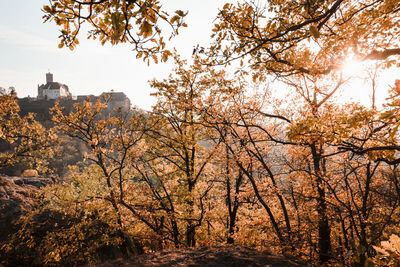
(29, 49)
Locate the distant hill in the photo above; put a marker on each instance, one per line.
(41, 107)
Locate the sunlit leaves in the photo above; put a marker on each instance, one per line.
(179, 140)
(310, 37)
(28, 140)
(138, 23)
(388, 252)
(312, 160)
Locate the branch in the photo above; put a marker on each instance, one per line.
(382, 55)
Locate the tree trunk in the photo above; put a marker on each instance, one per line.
(324, 230)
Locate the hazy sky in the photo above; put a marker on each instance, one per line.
(28, 49)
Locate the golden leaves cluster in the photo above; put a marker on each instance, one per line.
(309, 37)
(28, 141)
(135, 22)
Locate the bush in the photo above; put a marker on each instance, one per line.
(51, 238)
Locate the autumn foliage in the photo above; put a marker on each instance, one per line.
(26, 140)
(221, 158)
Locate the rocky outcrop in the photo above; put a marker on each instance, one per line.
(17, 196)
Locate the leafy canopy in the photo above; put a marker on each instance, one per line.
(140, 23)
(302, 36)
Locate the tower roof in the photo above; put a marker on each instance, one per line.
(54, 86)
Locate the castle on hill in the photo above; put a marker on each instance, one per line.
(52, 90)
(56, 90)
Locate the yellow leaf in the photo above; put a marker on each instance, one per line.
(146, 29)
(155, 58)
(180, 13)
(314, 31)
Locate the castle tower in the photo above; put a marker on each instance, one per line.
(52, 90)
(49, 77)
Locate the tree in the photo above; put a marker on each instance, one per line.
(135, 22)
(305, 43)
(315, 168)
(309, 37)
(181, 140)
(112, 142)
(234, 118)
(27, 141)
(356, 188)
(156, 167)
(381, 141)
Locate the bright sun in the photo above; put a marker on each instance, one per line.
(359, 86)
(353, 68)
(366, 84)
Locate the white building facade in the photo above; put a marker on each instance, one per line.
(52, 90)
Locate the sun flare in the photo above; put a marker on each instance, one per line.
(353, 67)
(367, 83)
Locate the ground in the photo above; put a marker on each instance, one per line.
(229, 256)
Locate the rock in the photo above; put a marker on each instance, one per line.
(17, 196)
(30, 173)
(35, 182)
